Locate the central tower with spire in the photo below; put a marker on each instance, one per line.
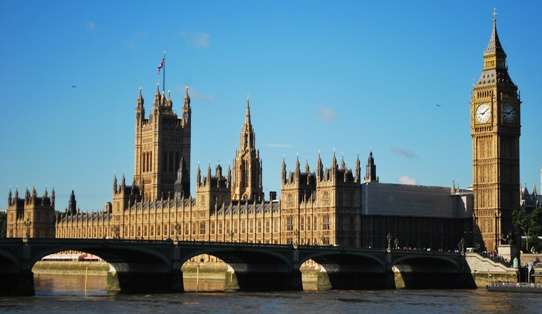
(247, 165)
(495, 130)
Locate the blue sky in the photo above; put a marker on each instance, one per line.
(325, 76)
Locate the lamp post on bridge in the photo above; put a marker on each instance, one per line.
(27, 224)
(177, 231)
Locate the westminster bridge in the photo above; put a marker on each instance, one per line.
(155, 266)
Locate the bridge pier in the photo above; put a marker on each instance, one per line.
(261, 280)
(17, 283)
(134, 278)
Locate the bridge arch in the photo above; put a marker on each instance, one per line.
(9, 273)
(343, 270)
(428, 271)
(253, 269)
(109, 253)
(137, 268)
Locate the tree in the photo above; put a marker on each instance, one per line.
(529, 224)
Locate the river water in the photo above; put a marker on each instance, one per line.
(66, 295)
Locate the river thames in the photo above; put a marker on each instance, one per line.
(66, 296)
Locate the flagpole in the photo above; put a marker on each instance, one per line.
(164, 75)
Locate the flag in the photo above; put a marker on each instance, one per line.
(161, 65)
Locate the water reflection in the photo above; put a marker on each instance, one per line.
(70, 285)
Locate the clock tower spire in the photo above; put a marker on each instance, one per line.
(495, 130)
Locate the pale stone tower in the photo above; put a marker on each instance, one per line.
(247, 165)
(495, 127)
(162, 142)
(32, 216)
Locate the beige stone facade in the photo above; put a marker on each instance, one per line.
(331, 205)
(32, 216)
(226, 207)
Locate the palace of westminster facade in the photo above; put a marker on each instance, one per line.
(332, 205)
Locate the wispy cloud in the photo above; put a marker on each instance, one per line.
(279, 145)
(327, 114)
(135, 39)
(404, 152)
(195, 94)
(407, 180)
(197, 40)
(198, 95)
(91, 26)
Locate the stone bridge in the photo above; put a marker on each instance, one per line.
(155, 266)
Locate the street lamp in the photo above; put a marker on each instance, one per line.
(27, 224)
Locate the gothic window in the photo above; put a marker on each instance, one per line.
(290, 200)
(243, 226)
(212, 227)
(267, 227)
(251, 226)
(220, 227)
(325, 197)
(201, 228)
(302, 224)
(259, 226)
(289, 223)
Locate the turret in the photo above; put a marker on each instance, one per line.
(140, 108)
(297, 171)
(283, 171)
(157, 98)
(370, 169)
(72, 204)
(186, 104)
(319, 168)
(114, 184)
(9, 198)
(358, 170)
(198, 175)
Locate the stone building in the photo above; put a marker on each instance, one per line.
(495, 129)
(331, 205)
(32, 216)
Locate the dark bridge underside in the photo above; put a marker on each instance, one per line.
(257, 270)
(155, 266)
(354, 272)
(431, 273)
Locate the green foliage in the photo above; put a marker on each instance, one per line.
(529, 224)
(3, 224)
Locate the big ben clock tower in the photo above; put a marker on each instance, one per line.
(495, 129)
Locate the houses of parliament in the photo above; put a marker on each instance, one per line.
(331, 204)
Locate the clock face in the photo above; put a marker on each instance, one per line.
(483, 113)
(508, 113)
